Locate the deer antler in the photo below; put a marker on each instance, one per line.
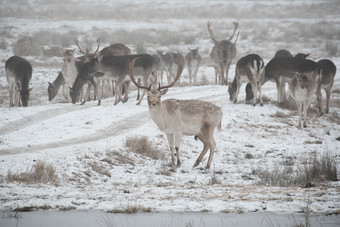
(180, 65)
(236, 25)
(98, 41)
(236, 38)
(81, 51)
(131, 67)
(212, 37)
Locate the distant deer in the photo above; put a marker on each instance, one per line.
(302, 88)
(117, 67)
(283, 69)
(328, 70)
(93, 76)
(18, 74)
(171, 64)
(222, 55)
(182, 117)
(249, 68)
(193, 61)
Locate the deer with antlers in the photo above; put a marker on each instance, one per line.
(182, 117)
(222, 55)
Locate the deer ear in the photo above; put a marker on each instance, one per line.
(163, 92)
(297, 74)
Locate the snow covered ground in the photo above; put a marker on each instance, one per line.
(86, 143)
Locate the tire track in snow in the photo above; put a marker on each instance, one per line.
(113, 129)
(38, 117)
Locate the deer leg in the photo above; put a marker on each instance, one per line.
(195, 75)
(260, 92)
(206, 145)
(190, 74)
(328, 95)
(319, 98)
(141, 98)
(93, 82)
(227, 73)
(10, 89)
(171, 144)
(212, 150)
(299, 107)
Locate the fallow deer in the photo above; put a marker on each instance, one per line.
(302, 88)
(283, 69)
(117, 67)
(105, 53)
(328, 70)
(222, 55)
(18, 74)
(182, 117)
(248, 68)
(193, 61)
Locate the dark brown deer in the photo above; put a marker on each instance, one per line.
(328, 70)
(182, 117)
(222, 55)
(249, 68)
(193, 61)
(18, 74)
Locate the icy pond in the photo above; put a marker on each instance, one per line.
(98, 218)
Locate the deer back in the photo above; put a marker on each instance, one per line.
(328, 69)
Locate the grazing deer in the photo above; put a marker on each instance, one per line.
(193, 61)
(182, 117)
(53, 87)
(117, 67)
(90, 75)
(283, 69)
(222, 55)
(18, 74)
(328, 70)
(249, 68)
(302, 88)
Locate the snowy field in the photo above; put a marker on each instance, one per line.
(86, 144)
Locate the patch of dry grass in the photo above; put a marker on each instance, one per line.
(315, 171)
(142, 145)
(40, 172)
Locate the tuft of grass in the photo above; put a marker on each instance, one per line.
(142, 145)
(38, 173)
(318, 170)
(131, 210)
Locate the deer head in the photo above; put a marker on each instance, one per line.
(212, 37)
(154, 95)
(87, 52)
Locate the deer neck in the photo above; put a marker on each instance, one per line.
(160, 116)
(70, 71)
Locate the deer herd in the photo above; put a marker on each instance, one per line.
(116, 66)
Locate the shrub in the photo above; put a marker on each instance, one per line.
(318, 170)
(142, 145)
(26, 46)
(39, 173)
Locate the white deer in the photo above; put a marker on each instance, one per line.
(182, 117)
(302, 88)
